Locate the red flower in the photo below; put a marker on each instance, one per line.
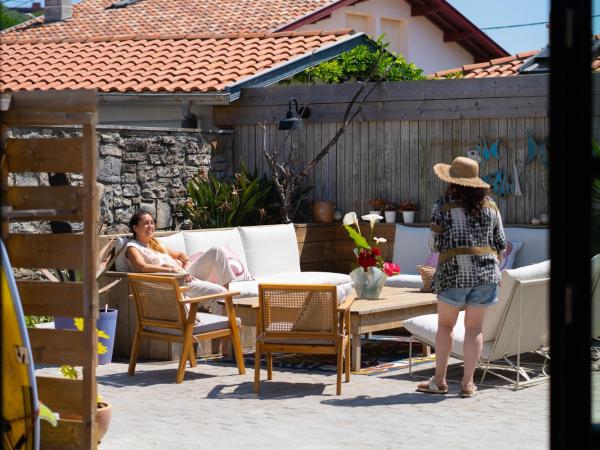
(391, 269)
(366, 259)
(376, 251)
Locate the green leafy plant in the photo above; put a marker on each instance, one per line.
(247, 200)
(357, 64)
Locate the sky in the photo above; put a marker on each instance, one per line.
(493, 13)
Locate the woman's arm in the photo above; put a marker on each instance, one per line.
(179, 256)
(136, 259)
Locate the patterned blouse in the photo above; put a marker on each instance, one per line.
(468, 244)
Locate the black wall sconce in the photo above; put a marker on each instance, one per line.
(291, 121)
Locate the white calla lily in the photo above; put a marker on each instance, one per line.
(373, 218)
(350, 218)
(380, 240)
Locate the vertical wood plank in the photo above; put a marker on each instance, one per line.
(310, 145)
(356, 162)
(423, 202)
(373, 178)
(332, 157)
(251, 147)
(540, 170)
(457, 147)
(388, 163)
(319, 169)
(530, 173)
(364, 167)
(396, 161)
(504, 163)
(237, 139)
(511, 157)
(414, 171)
(405, 177)
(521, 149)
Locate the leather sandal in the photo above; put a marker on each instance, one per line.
(468, 392)
(430, 387)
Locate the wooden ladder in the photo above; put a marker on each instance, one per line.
(75, 251)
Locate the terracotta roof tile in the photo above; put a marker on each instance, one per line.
(121, 64)
(171, 16)
(499, 67)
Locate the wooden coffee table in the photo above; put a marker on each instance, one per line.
(394, 306)
(366, 316)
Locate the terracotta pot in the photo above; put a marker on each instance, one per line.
(323, 212)
(103, 414)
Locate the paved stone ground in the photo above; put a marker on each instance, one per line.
(216, 408)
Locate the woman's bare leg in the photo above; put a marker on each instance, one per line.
(473, 342)
(447, 316)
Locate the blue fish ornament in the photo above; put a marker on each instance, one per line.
(534, 149)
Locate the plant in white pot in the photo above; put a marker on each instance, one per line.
(390, 212)
(408, 209)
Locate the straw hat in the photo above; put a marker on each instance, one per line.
(462, 171)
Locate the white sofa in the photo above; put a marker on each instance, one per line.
(269, 252)
(411, 248)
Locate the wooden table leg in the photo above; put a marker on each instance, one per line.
(355, 351)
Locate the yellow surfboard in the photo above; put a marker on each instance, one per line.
(20, 423)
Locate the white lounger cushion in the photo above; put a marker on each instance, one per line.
(405, 280)
(535, 244)
(270, 249)
(341, 280)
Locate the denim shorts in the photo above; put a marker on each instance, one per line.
(485, 295)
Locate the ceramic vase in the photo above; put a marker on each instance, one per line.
(368, 284)
(323, 211)
(408, 216)
(390, 217)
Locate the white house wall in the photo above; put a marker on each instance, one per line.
(419, 40)
(150, 114)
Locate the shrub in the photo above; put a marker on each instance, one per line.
(247, 200)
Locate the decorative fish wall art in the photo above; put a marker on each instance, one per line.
(482, 153)
(535, 149)
(504, 182)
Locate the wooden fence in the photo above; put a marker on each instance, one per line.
(404, 129)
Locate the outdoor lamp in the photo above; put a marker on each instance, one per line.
(291, 121)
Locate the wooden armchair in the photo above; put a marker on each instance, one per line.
(164, 313)
(302, 319)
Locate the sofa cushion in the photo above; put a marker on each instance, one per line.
(173, 242)
(341, 280)
(270, 249)
(411, 247)
(535, 241)
(493, 317)
(205, 323)
(201, 240)
(121, 261)
(405, 280)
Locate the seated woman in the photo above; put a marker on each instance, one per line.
(209, 274)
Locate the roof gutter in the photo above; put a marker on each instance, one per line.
(292, 67)
(197, 98)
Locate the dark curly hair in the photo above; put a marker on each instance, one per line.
(135, 218)
(471, 198)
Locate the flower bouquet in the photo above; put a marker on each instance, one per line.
(372, 271)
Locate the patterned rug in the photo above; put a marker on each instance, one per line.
(379, 355)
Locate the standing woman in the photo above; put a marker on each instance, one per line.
(209, 274)
(468, 234)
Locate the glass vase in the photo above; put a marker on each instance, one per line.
(368, 284)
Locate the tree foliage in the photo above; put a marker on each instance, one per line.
(357, 65)
(10, 18)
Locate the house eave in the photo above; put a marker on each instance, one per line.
(197, 98)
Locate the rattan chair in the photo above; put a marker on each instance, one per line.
(164, 313)
(302, 319)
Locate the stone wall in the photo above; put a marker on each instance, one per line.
(145, 167)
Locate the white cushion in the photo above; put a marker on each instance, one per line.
(341, 280)
(536, 244)
(425, 328)
(270, 249)
(493, 316)
(204, 323)
(173, 241)
(405, 280)
(121, 261)
(411, 247)
(202, 240)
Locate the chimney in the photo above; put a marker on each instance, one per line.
(58, 10)
(36, 6)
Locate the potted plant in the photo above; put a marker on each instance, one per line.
(377, 205)
(104, 409)
(390, 212)
(408, 209)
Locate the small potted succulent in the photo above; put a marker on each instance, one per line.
(390, 212)
(408, 210)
